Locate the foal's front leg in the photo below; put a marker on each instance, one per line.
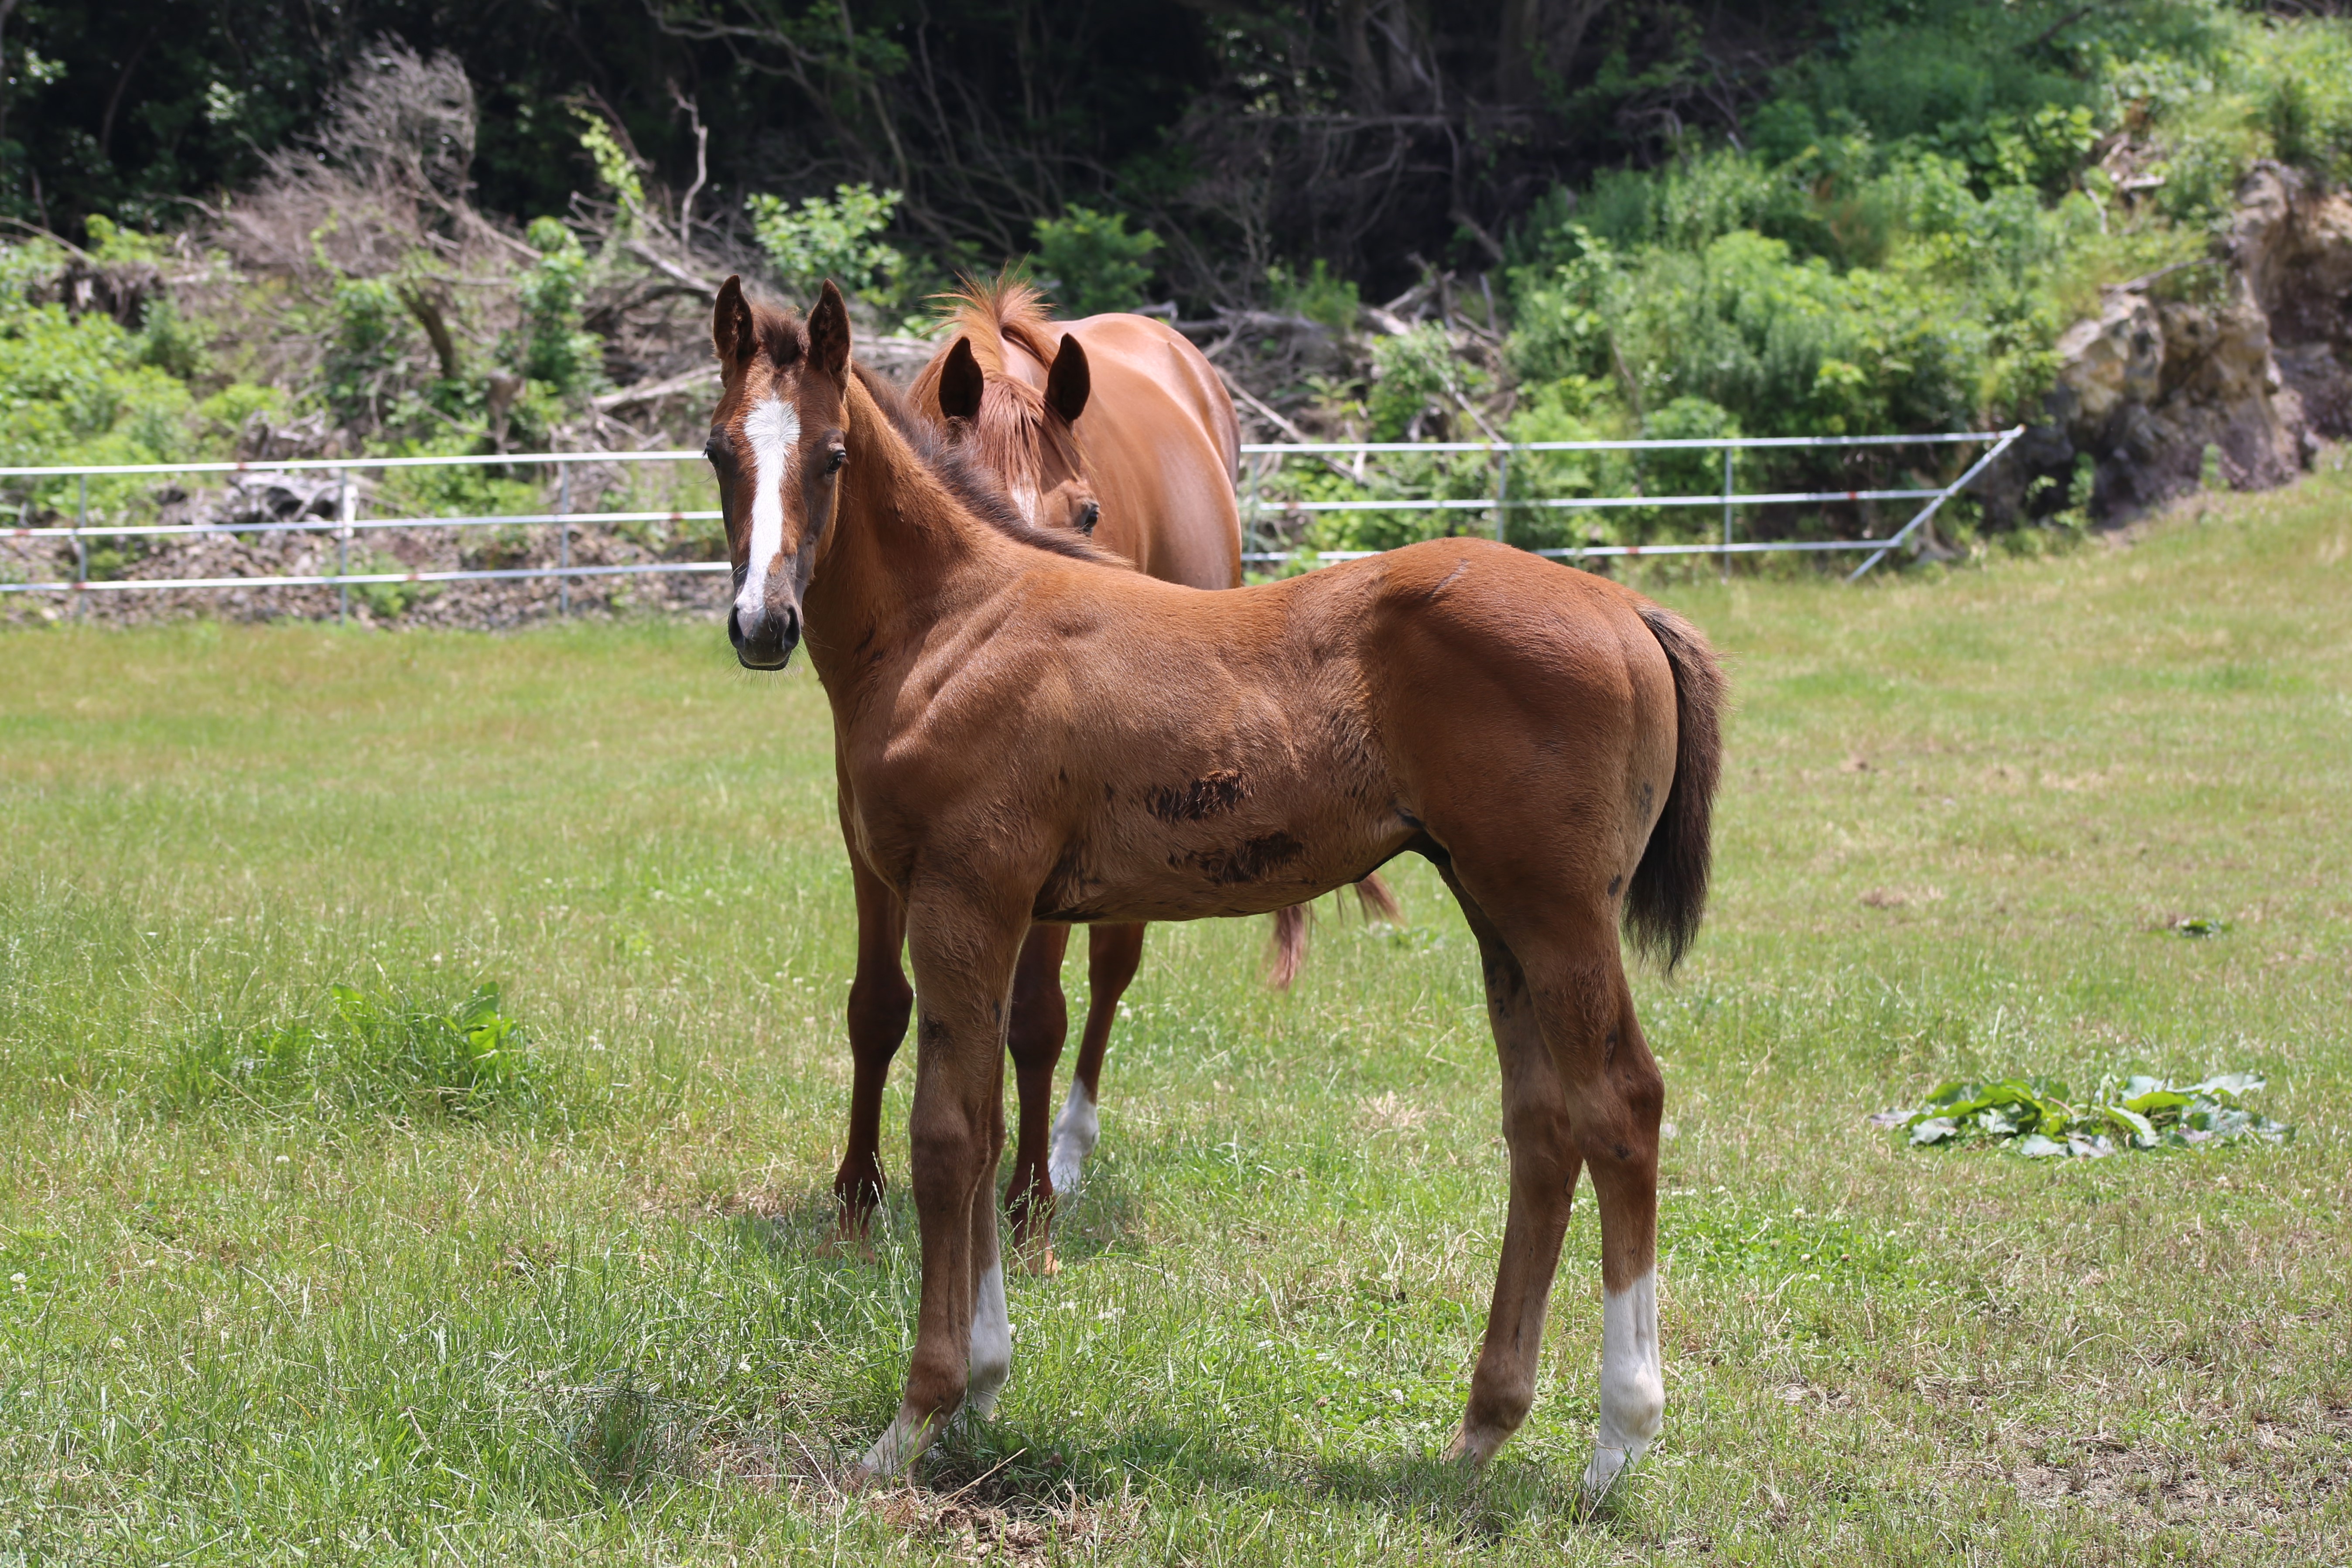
(878, 1003)
(963, 960)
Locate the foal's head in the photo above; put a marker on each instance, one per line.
(776, 448)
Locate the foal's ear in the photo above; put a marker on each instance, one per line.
(1069, 380)
(961, 383)
(732, 332)
(828, 332)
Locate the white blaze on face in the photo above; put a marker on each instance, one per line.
(773, 429)
(1633, 1388)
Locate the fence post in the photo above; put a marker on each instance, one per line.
(1726, 514)
(564, 539)
(1502, 494)
(81, 550)
(342, 544)
(1249, 499)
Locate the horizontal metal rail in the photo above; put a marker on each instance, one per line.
(328, 525)
(1679, 443)
(1743, 547)
(344, 525)
(332, 580)
(329, 464)
(1489, 503)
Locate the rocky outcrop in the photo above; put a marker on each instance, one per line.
(2247, 355)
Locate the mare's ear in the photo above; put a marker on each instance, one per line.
(961, 383)
(732, 332)
(828, 333)
(1069, 380)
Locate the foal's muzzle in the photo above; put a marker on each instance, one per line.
(767, 643)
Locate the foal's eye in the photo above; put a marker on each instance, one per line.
(836, 461)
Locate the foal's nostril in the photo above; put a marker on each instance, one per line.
(1089, 517)
(788, 630)
(735, 628)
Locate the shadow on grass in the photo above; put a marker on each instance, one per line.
(1018, 1469)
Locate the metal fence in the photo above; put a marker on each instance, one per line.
(1260, 461)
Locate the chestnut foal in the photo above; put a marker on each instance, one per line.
(1010, 712)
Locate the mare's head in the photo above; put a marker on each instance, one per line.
(776, 448)
(994, 413)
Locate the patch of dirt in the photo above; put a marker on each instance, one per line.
(1019, 1531)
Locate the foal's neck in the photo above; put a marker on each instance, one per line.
(902, 541)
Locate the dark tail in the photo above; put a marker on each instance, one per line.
(1669, 892)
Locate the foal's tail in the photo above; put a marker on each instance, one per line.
(1669, 891)
(1287, 949)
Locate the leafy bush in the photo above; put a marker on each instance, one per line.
(77, 389)
(832, 237)
(1316, 294)
(368, 1054)
(555, 350)
(1089, 263)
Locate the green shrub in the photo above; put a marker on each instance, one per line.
(77, 389)
(1316, 294)
(1089, 263)
(555, 350)
(836, 237)
(366, 1054)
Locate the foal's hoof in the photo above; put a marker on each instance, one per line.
(1607, 1465)
(1037, 1257)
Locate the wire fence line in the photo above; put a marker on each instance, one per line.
(1261, 460)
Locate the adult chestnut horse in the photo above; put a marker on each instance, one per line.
(1115, 426)
(1009, 709)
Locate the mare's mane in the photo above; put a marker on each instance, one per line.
(1014, 426)
(971, 484)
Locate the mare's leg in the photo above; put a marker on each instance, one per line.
(963, 959)
(879, 1000)
(1114, 952)
(1040, 1022)
(1543, 1184)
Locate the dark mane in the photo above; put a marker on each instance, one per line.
(970, 483)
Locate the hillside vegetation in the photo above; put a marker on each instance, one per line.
(1869, 216)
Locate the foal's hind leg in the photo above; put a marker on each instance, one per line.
(1614, 1106)
(879, 1002)
(1615, 1095)
(1114, 952)
(1543, 1184)
(1040, 1023)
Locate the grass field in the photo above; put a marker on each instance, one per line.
(299, 1275)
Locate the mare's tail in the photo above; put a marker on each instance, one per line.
(1669, 892)
(1288, 949)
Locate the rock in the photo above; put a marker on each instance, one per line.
(2258, 365)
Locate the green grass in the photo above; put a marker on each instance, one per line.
(299, 1287)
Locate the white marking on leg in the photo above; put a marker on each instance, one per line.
(1633, 1387)
(773, 429)
(992, 1344)
(1075, 1131)
(901, 1445)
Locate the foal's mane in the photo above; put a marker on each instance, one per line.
(1014, 428)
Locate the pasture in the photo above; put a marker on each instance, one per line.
(288, 1274)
